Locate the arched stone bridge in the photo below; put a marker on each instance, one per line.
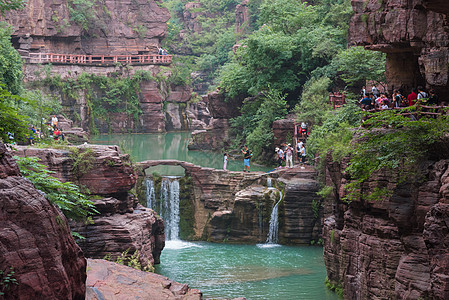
(189, 167)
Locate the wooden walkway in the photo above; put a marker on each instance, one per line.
(79, 59)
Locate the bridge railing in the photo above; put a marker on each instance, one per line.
(80, 59)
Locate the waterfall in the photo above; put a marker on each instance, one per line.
(168, 204)
(151, 196)
(269, 183)
(272, 237)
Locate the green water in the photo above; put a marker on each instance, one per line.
(251, 271)
(173, 145)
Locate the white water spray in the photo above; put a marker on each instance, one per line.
(273, 230)
(168, 204)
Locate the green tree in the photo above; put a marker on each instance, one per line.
(10, 118)
(6, 5)
(10, 61)
(358, 64)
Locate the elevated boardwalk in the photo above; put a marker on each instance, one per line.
(102, 60)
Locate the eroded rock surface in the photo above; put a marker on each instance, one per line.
(122, 224)
(394, 248)
(35, 240)
(107, 280)
(415, 36)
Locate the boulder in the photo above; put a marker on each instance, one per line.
(35, 241)
(108, 280)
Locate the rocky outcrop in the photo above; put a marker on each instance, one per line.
(110, 27)
(107, 280)
(241, 17)
(414, 35)
(282, 129)
(393, 248)
(35, 241)
(236, 206)
(108, 176)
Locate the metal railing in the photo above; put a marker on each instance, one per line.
(80, 59)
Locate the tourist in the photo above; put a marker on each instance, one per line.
(32, 135)
(299, 143)
(375, 91)
(289, 156)
(56, 134)
(411, 98)
(367, 102)
(280, 156)
(303, 130)
(398, 99)
(54, 121)
(421, 93)
(302, 150)
(363, 92)
(160, 51)
(225, 162)
(246, 157)
(384, 105)
(165, 51)
(433, 98)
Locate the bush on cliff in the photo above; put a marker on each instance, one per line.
(64, 195)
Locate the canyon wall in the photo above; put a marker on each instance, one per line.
(235, 207)
(415, 36)
(37, 247)
(108, 176)
(392, 248)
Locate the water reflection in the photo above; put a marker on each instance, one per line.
(173, 145)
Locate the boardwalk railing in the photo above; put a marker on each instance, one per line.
(429, 111)
(79, 59)
(336, 99)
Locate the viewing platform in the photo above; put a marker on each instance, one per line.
(99, 60)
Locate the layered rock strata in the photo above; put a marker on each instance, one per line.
(109, 27)
(107, 280)
(108, 175)
(35, 242)
(414, 35)
(236, 206)
(395, 248)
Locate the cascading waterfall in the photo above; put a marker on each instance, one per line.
(273, 230)
(168, 205)
(269, 182)
(151, 196)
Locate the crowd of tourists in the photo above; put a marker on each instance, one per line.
(284, 153)
(382, 100)
(52, 127)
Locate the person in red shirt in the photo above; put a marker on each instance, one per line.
(412, 98)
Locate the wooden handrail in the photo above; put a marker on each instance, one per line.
(100, 59)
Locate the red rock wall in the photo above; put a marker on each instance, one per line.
(35, 240)
(116, 27)
(391, 249)
(414, 35)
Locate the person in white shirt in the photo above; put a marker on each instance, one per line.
(289, 156)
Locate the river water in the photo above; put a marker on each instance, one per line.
(173, 145)
(220, 271)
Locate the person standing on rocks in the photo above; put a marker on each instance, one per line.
(289, 156)
(302, 150)
(225, 162)
(246, 157)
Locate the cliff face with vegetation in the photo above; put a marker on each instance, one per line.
(38, 250)
(413, 34)
(393, 248)
(108, 176)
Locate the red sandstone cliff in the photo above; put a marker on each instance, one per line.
(414, 35)
(395, 248)
(109, 27)
(122, 224)
(35, 241)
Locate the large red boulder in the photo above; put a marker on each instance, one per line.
(35, 241)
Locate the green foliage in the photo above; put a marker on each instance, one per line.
(6, 5)
(314, 104)
(332, 236)
(64, 195)
(7, 279)
(258, 115)
(83, 160)
(394, 142)
(10, 61)
(38, 107)
(316, 206)
(10, 118)
(336, 288)
(82, 12)
(358, 64)
(131, 260)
